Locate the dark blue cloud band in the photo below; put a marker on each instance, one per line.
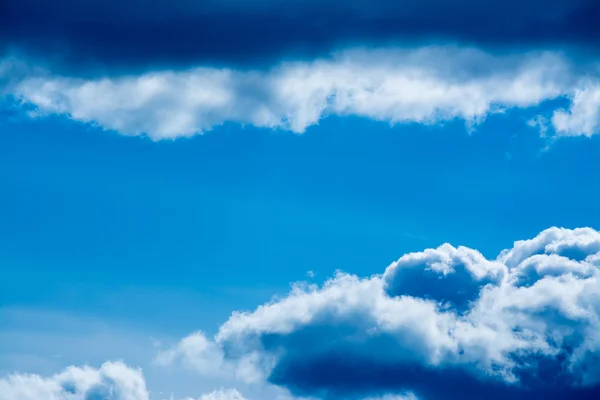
(118, 36)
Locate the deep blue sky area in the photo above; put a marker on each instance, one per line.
(236, 214)
(111, 36)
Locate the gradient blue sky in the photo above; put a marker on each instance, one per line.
(246, 211)
(121, 234)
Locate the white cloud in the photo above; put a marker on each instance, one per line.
(234, 394)
(196, 351)
(227, 394)
(204, 356)
(540, 299)
(583, 117)
(427, 85)
(112, 381)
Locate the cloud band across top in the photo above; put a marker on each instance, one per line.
(426, 85)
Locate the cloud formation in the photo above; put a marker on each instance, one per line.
(428, 85)
(112, 381)
(226, 394)
(583, 118)
(110, 35)
(443, 323)
(446, 323)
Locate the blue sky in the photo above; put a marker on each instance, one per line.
(303, 219)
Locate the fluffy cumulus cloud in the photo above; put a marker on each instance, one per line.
(425, 85)
(204, 356)
(112, 381)
(583, 117)
(445, 323)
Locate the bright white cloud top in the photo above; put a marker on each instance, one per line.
(426, 85)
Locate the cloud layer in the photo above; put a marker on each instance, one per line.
(116, 36)
(443, 323)
(428, 85)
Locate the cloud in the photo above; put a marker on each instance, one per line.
(453, 275)
(122, 37)
(205, 357)
(198, 352)
(112, 381)
(583, 117)
(428, 85)
(446, 322)
(227, 394)
(523, 325)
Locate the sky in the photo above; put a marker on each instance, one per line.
(301, 200)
